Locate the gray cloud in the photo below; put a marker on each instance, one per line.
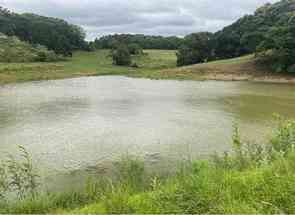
(155, 17)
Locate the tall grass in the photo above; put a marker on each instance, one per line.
(18, 176)
(250, 179)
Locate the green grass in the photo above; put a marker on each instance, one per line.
(253, 179)
(88, 64)
(155, 64)
(14, 50)
(237, 60)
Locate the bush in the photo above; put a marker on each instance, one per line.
(131, 173)
(134, 65)
(135, 49)
(18, 176)
(197, 49)
(12, 50)
(284, 138)
(291, 69)
(121, 55)
(185, 56)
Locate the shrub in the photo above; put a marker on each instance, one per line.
(284, 138)
(135, 49)
(185, 56)
(291, 69)
(12, 50)
(244, 156)
(131, 173)
(121, 55)
(18, 176)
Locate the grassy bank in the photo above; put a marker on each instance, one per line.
(87, 64)
(156, 64)
(252, 179)
(236, 69)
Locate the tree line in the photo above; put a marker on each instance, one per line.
(144, 41)
(269, 33)
(56, 34)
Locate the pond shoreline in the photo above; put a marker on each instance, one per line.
(156, 65)
(265, 79)
(223, 78)
(237, 69)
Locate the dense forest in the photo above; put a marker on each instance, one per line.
(145, 41)
(55, 34)
(269, 33)
(246, 34)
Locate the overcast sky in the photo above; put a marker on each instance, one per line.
(153, 17)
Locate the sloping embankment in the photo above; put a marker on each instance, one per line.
(237, 69)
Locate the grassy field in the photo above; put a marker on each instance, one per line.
(252, 180)
(88, 64)
(155, 64)
(245, 68)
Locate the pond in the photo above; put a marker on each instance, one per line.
(73, 124)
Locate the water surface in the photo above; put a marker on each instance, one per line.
(76, 123)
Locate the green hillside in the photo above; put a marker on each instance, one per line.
(88, 63)
(248, 32)
(16, 51)
(269, 33)
(56, 34)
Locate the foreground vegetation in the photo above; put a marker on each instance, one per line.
(251, 179)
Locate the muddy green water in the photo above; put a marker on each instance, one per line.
(72, 124)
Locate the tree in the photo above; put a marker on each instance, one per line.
(186, 56)
(251, 40)
(197, 49)
(121, 55)
(244, 35)
(278, 49)
(135, 49)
